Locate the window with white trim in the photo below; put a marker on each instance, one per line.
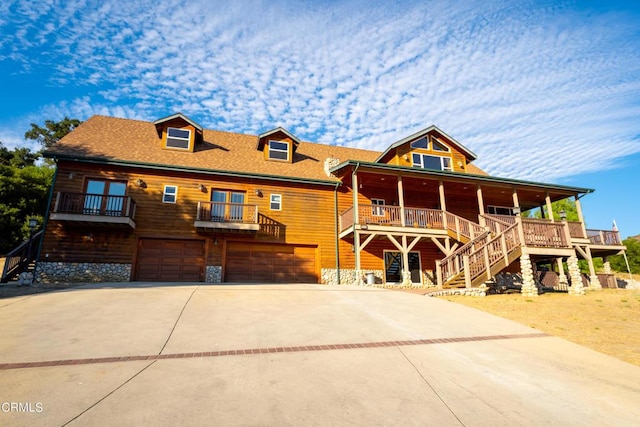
(178, 138)
(437, 145)
(170, 194)
(421, 143)
(275, 202)
(278, 150)
(376, 210)
(500, 210)
(426, 161)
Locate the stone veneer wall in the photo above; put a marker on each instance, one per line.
(213, 274)
(73, 272)
(351, 277)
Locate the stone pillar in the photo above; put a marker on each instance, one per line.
(607, 266)
(576, 279)
(529, 287)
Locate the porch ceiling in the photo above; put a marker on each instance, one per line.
(495, 191)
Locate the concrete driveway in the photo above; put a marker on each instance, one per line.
(163, 354)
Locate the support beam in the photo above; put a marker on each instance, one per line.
(406, 273)
(413, 243)
(367, 240)
(442, 248)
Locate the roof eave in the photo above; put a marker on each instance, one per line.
(460, 175)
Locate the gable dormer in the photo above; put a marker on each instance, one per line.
(428, 149)
(178, 132)
(278, 145)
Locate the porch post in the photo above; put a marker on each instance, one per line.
(480, 206)
(580, 217)
(516, 201)
(594, 282)
(403, 217)
(443, 204)
(549, 208)
(406, 273)
(576, 279)
(562, 278)
(356, 251)
(354, 183)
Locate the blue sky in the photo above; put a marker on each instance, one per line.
(541, 90)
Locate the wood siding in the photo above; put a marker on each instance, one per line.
(306, 216)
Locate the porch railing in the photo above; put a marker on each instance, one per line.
(95, 204)
(604, 237)
(575, 229)
(227, 212)
(544, 233)
(413, 217)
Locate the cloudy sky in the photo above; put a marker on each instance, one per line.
(539, 90)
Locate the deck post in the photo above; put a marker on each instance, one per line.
(443, 204)
(439, 274)
(406, 273)
(516, 201)
(594, 282)
(562, 278)
(57, 205)
(354, 182)
(505, 254)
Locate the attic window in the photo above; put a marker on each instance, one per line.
(278, 150)
(420, 143)
(438, 146)
(178, 138)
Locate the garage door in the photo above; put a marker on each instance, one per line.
(170, 260)
(270, 263)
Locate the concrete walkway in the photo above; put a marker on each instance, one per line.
(165, 354)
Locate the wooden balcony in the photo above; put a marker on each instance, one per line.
(94, 209)
(233, 217)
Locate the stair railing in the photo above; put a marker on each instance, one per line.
(452, 264)
(19, 258)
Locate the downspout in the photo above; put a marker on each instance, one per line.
(337, 226)
(46, 219)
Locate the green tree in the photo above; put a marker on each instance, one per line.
(567, 205)
(633, 255)
(52, 131)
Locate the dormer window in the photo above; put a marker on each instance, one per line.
(438, 146)
(421, 143)
(178, 138)
(278, 150)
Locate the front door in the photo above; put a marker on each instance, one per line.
(393, 267)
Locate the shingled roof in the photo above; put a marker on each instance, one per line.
(137, 142)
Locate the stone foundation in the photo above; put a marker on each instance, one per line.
(213, 274)
(359, 278)
(78, 272)
(576, 288)
(480, 291)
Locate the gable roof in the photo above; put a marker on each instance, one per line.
(470, 155)
(103, 139)
(178, 116)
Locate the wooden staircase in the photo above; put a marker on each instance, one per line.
(20, 259)
(482, 257)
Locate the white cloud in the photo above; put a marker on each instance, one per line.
(555, 91)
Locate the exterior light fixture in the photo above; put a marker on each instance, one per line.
(258, 192)
(563, 215)
(140, 183)
(202, 188)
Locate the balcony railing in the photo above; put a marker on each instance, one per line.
(70, 205)
(604, 237)
(227, 213)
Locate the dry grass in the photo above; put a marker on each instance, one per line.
(607, 321)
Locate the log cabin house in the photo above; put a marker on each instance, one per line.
(171, 201)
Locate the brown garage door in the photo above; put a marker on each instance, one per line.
(270, 263)
(170, 260)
